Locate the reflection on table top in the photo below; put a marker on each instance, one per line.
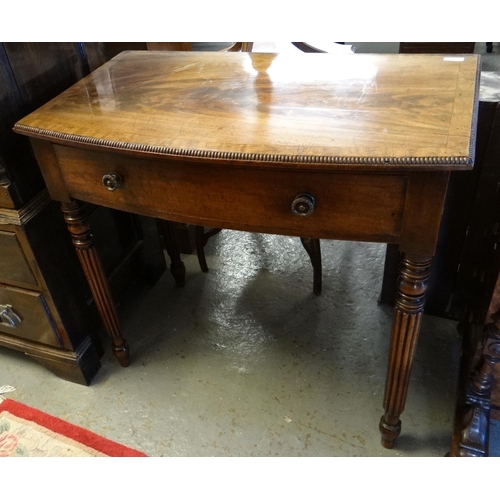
(377, 109)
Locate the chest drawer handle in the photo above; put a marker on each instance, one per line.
(112, 181)
(303, 205)
(8, 316)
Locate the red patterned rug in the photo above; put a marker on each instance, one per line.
(26, 432)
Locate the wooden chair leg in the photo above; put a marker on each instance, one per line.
(177, 267)
(200, 247)
(313, 248)
(202, 237)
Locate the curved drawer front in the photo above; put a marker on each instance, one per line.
(347, 206)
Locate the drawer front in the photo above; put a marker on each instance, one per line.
(13, 264)
(6, 200)
(348, 206)
(24, 314)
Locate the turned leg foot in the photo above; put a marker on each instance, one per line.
(388, 432)
(78, 226)
(408, 310)
(122, 353)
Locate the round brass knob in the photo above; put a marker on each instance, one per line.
(303, 205)
(112, 181)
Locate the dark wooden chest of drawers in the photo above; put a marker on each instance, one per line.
(46, 308)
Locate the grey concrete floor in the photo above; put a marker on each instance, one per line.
(246, 361)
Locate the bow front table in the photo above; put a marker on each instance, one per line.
(352, 147)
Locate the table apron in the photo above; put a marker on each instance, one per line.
(351, 206)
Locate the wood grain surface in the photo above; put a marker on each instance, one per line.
(377, 110)
(367, 207)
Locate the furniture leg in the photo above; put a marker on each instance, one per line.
(202, 238)
(408, 310)
(177, 268)
(200, 244)
(313, 248)
(78, 226)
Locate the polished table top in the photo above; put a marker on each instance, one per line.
(392, 111)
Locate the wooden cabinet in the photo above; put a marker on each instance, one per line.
(46, 308)
(436, 47)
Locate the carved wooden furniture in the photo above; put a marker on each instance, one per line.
(478, 282)
(230, 140)
(478, 387)
(46, 309)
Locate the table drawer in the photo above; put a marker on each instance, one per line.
(25, 315)
(348, 206)
(13, 264)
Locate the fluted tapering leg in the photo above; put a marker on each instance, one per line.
(177, 267)
(408, 310)
(78, 226)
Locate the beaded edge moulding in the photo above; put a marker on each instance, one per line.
(226, 155)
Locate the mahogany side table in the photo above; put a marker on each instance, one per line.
(354, 147)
